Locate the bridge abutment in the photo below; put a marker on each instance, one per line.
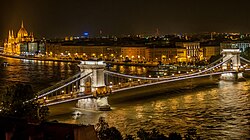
(232, 76)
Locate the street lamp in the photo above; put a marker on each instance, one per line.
(44, 98)
(96, 90)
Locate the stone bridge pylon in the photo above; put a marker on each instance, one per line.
(234, 59)
(95, 85)
(231, 57)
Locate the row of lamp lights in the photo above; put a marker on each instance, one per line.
(71, 93)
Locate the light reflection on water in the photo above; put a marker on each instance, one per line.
(39, 74)
(221, 112)
(217, 112)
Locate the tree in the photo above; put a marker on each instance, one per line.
(20, 101)
(174, 136)
(106, 133)
(192, 134)
(154, 134)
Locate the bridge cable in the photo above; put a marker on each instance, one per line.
(81, 77)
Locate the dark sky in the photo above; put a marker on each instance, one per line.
(54, 18)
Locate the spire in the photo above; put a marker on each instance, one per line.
(12, 34)
(9, 34)
(22, 24)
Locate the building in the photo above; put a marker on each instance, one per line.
(73, 51)
(239, 45)
(166, 54)
(133, 53)
(22, 44)
(209, 51)
(210, 48)
(194, 52)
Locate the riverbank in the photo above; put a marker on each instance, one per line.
(39, 58)
(78, 61)
(148, 64)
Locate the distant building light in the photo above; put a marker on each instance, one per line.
(86, 34)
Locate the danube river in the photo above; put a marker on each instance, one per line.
(218, 112)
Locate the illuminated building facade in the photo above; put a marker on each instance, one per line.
(166, 54)
(209, 51)
(61, 51)
(235, 45)
(22, 44)
(133, 53)
(194, 52)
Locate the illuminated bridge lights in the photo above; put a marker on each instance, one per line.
(133, 81)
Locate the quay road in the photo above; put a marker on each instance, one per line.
(39, 58)
(154, 65)
(148, 64)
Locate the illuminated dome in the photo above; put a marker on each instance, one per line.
(22, 32)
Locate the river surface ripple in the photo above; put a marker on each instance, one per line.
(220, 112)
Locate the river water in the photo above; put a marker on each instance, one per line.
(218, 112)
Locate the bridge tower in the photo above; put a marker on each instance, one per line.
(97, 86)
(232, 56)
(97, 78)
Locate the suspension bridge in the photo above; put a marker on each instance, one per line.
(94, 87)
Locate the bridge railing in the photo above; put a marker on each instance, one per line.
(49, 103)
(172, 77)
(147, 80)
(171, 80)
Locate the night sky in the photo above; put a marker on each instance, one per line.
(54, 18)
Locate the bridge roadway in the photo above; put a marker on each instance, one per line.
(140, 91)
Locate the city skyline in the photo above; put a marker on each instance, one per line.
(59, 19)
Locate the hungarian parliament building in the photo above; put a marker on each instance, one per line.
(22, 44)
